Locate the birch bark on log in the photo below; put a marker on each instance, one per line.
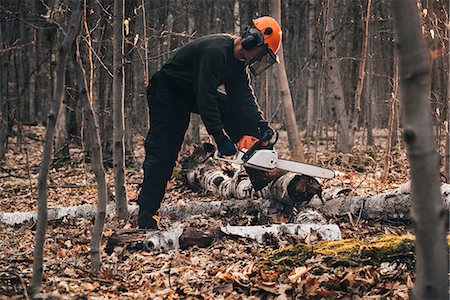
(337, 204)
(181, 237)
(58, 92)
(428, 215)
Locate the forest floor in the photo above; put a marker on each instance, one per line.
(235, 268)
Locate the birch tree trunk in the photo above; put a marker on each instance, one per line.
(337, 93)
(362, 73)
(96, 161)
(295, 144)
(428, 214)
(118, 111)
(58, 94)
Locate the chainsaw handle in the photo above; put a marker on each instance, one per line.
(267, 136)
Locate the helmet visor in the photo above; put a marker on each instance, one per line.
(263, 60)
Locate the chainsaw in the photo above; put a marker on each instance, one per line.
(259, 154)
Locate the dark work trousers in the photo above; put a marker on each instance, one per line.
(169, 120)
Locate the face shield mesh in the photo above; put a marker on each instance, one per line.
(263, 60)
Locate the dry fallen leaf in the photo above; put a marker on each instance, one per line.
(297, 273)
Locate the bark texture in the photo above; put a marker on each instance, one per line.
(311, 82)
(118, 112)
(337, 92)
(58, 94)
(428, 214)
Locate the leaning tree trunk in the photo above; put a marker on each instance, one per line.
(337, 93)
(118, 112)
(428, 214)
(58, 93)
(295, 144)
(97, 163)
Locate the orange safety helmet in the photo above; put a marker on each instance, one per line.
(271, 31)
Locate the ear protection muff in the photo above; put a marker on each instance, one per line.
(252, 38)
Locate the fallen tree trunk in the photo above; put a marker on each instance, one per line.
(389, 207)
(180, 237)
(213, 208)
(384, 207)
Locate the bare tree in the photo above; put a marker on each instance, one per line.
(295, 144)
(118, 111)
(3, 98)
(362, 73)
(193, 132)
(428, 213)
(58, 94)
(337, 93)
(311, 82)
(392, 102)
(96, 161)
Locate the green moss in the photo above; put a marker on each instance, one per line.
(285, 257)
(354, 251)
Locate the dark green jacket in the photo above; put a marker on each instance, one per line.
(200, 67)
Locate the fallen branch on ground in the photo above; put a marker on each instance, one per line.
(180, 237)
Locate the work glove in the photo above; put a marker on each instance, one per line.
(225, 146)
(264, 129)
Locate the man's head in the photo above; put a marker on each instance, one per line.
(261, 43)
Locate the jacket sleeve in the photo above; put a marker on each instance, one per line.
(240, 88)
(207, 68)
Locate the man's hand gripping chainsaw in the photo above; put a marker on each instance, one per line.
(262, 156)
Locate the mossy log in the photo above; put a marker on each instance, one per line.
(386, 248)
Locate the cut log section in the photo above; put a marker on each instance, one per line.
(202, 172)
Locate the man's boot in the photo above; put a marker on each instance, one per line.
(147, 220)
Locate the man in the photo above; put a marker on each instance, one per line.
(188, 83)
